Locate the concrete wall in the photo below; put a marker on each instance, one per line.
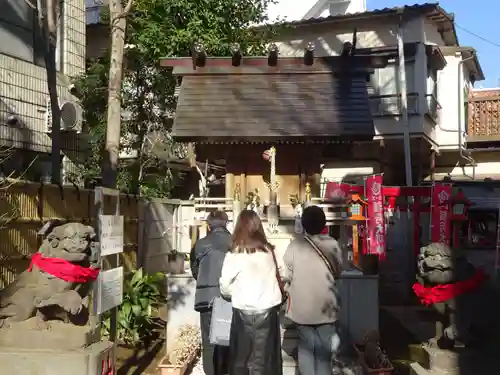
(451, 98)
(23, 86)
(165, 227)
(431, 34)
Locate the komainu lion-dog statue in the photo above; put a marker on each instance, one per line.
(61, 291)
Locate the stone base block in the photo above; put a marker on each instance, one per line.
(86, 361)
(417, 369)
(31, 334)
(443, 361)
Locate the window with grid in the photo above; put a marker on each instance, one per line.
(355, 209)
(479, 231)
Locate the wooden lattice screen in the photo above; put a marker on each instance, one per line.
(484, 113)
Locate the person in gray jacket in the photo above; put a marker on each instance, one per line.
(206, 259)
(313, 296)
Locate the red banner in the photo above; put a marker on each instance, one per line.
(440, 214)
(337, 190)
(376, 221)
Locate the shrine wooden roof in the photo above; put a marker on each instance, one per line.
(256, 102)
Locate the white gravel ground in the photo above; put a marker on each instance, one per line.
(346, 369)
(197, 368)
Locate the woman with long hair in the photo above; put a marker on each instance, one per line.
(251, 278)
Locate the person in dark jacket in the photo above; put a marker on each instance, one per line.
(207, 257)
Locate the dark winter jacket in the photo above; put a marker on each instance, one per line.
(206, 259)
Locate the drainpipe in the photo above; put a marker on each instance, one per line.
(404, 103)
(464, 154)
(411, 261)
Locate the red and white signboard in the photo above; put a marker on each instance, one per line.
(441, 214)
(336, 190)
(375, 222)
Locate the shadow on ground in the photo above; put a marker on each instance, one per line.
(144, 359)
(403, 331)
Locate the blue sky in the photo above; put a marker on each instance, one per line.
(480, 20)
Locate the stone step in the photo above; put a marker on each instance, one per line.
(290, 371)
(417, 369)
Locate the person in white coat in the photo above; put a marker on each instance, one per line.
(251, 278)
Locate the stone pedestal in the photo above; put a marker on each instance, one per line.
(86, 361)
(443, 361)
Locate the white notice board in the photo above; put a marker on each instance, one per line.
(110, 289)
(111, 231)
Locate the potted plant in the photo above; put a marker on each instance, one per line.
(371, 357)
(176, 262)
(186, 347)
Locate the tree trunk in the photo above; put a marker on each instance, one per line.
(112, 147)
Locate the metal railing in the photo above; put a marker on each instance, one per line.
(390, 105)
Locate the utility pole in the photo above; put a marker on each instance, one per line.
(118, 20)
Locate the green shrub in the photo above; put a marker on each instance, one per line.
(141, 299)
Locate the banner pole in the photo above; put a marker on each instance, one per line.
(367, 235)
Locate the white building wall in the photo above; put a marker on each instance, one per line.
(432, 35)
(452, 82)
(328, 40)
(23, 85)
(294, 10)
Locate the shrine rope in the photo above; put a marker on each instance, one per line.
(445, 292)
(64, 270)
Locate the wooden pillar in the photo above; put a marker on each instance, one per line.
(355, 244)
(302, 172)
(433, 165)
(420, 165)
(229, 185)
(243, 186)
(383, 162)
(229, 182)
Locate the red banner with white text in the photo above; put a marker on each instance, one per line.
(441, 213)
(336, 190)
(375, 221)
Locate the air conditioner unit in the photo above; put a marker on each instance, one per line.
(71, 117)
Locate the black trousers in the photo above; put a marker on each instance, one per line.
(255, 343)
(215, 357)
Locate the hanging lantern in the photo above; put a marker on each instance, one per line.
(357, 208)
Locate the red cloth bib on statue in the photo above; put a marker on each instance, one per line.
(64, 270)
(442, 293)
